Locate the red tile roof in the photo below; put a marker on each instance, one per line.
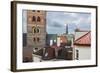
(84, 39)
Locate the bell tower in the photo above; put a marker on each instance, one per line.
(36, 29)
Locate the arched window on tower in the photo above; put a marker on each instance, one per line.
(38, 39)
(38, 19)
(33, 10)
(38, 31)
(33, 29)
(34, 39)
(33, 18)
(38, 10)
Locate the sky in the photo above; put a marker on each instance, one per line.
(56, 21)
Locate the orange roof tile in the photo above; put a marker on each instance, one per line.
(84, 40)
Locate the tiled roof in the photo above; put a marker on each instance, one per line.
(84, 39)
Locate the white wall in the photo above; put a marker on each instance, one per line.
(84, 52)
(5, 38)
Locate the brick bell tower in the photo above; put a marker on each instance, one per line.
(36, 29)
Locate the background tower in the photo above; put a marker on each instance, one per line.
(66, 28)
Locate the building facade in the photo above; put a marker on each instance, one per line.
(82, 45)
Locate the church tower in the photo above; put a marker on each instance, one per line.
(36, 29)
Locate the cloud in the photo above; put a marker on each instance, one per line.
(82, 20)
(56, 24)
(73, 15)
(57, 20)
(89, 20)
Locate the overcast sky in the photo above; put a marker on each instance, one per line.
(56, 21)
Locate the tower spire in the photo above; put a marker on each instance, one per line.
(66, 28)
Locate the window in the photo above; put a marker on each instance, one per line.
(38, 39)
(33, 10)
(38, 30)
(34, 39)
(38, 19)
(38, 10)
(77, 54)
(34, 29)
(33, 18)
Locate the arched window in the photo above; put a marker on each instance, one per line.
(34, 39)
(33, 18)
(33, 10)
(33, 29)
(38, 19)
(38, 30)
(38, 39)
(38, 10)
